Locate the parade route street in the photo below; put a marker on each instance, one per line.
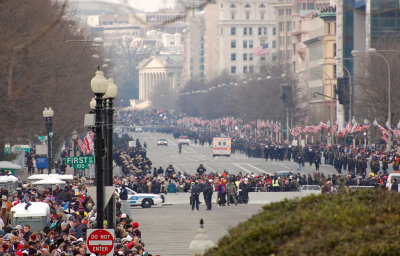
(168, 230)
(194, 155)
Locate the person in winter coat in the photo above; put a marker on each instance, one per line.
(231, 191)
(194, 195)
(222, 193)
(208, 192)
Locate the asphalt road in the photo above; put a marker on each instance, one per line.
(168, 230)
(194, 155)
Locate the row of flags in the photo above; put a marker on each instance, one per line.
(348, 128)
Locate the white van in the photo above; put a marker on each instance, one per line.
(394, 175)
(222, 146)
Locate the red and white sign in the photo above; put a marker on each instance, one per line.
(100, 241)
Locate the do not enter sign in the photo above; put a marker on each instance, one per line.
(100, 241)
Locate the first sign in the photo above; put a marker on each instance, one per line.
(79, 160)
(100, 241)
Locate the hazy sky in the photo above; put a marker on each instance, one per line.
(145, 5)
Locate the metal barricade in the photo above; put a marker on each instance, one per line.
(126, 207)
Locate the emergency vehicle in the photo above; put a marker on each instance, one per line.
(221, 146)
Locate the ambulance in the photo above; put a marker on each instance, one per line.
(221, 146)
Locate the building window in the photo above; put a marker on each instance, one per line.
(262, 6)
(274, 31)
(244, 56)
(251, 69)
(233, 69)
(244, 69)
(334, 71)
(247, 6)
(288, 26)
(247, 15)
(233, 44)
(222, 31)
(265, 31)
(281, 26)
(288, 11)
(232, 6)
(274, 44)
(233, 31)
(232, 15)
(262, 16)
(233, 56)
(334, 50)
(245, 31)
(250, 56)
(281, 40)
(250, 44)
(281, 54)
(289, 40)
(250, 31)
(202, 67)
(244, 43)
(281, 12)
(259, 31)
(289, 54)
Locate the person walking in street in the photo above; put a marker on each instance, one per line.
(194, 195)
(222, 193)
(231, 191)
(179, 148)
(299, 160)
(208, 192)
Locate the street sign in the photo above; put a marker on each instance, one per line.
(100, 241)
(108, 192)
(79, 162)
(42, 138)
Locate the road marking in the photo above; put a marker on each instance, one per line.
(258, 169)
(208, 167)
(284, 167)
(239, 166)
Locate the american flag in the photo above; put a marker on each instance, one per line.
(261, 50)
(89, 140)
(355, 128)
(83, 147)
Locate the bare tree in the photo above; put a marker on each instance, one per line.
(371, 85)
(39, 69)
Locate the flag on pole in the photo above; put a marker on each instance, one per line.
(261, 50)
(83, 147)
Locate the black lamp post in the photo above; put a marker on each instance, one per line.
(48, 118)
(111, 93)
(74, 138)
(99, 86)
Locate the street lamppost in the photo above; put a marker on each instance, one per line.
(110, 95)
(48, 118)
(372, 52)
(99, 86)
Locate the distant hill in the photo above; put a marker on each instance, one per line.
(350, 223)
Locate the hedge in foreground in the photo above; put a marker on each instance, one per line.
(350, 223)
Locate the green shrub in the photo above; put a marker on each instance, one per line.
(349, 223)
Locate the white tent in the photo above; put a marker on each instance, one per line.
(9, 165)
(51, 181)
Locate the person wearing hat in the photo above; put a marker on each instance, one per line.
(194, 195)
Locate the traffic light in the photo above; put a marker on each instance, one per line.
(342, 91)
(286, 93)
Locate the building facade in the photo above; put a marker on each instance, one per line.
(164, 71)
(242, 27)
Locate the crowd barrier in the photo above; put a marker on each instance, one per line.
(254, 197)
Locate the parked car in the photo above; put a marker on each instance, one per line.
(162, 142)
(142, 199)
(184, 140)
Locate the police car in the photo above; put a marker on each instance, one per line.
(142, 199)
